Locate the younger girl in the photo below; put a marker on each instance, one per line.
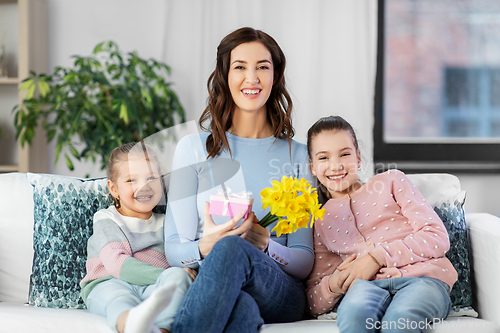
(128, 279)
(380, 244)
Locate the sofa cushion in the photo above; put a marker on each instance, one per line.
(63, 211)
(436, 187)
(23, 318)
(16, 231)
(452, 214)
(443, 193)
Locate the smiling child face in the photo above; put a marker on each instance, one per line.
(335, 162)
(138, 186)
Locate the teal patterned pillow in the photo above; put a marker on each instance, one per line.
(63, 213)
(452, 214)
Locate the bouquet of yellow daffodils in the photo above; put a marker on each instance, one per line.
(293, 202)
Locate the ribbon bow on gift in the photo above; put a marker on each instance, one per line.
(226, 192)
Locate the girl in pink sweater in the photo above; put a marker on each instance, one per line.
(380, 248)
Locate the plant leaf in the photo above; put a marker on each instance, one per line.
(26, 84)
(74, 152)
(98, 48)
(58, 148)
(147, 97)
(69, 163)
(50, 134)
(124, 112)
(44, 87)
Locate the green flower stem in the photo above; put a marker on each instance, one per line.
(268, 220)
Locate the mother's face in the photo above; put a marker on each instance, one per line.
(250, 77)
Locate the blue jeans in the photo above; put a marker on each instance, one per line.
(113, 297)
(404, 304)
(238, 288)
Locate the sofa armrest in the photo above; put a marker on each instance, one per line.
(484, 236)
(16, 237)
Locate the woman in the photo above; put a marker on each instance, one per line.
(247, 275)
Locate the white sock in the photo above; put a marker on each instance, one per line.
(155, 329)
(140, 318)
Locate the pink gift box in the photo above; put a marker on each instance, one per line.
(221, 207)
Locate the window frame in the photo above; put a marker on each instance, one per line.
(464, 157)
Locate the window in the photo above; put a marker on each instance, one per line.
(437, 104)
(471, 102)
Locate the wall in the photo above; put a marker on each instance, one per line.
(483, 193)
(75, 27)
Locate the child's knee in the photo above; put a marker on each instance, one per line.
(178, 275)
(350, 306)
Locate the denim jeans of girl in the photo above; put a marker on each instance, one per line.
(239, 288)
(404, 304)
(113, 297)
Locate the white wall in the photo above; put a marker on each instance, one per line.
(483, 193)
(76, 26)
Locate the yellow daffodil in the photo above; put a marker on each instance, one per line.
(302, 185)
(287, 184)
(293, 202)
(302, 223)
(282, 227)
(272, 196)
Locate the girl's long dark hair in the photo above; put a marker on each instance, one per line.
(218, 115)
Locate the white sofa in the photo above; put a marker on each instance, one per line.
(16, 258)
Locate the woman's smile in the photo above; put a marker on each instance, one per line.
(251, 92)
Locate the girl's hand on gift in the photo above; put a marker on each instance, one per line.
(363, 268)
(257, 235)
(333, 279)
(192, 273)
(212, 232)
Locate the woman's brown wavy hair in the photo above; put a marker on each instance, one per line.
(218, 115)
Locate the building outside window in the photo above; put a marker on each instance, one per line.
(438, 86)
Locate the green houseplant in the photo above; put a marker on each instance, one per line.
(101, 102)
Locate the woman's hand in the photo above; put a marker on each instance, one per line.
(257, 235)
(212, 232)
(333, 279)
(363, 268)
(192, 273)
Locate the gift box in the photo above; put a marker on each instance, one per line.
(229, 207)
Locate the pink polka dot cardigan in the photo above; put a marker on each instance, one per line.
(388, 218)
